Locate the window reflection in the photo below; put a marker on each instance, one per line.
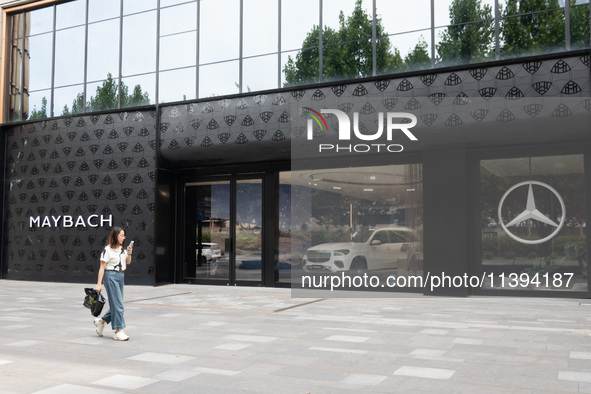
(99, 10)
(218, 79)
(140, 28)
(512, 247)
(39, 105)
(356, 220)
(178, 50)
(178, 19)
(103, 49)
(260, 73)
(70, 14)
(68, 100)
(219, 30)
(40, 61)
(141, 90)
(260, 27)
(579, 25)
(133, 6)
(69, 56)
(386, 9)
(41, 21)
(177, 85)
(297, 19)
(538, 32)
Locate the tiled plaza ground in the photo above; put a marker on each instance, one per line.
(208, 339)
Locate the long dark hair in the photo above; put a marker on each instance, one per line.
(112, 239)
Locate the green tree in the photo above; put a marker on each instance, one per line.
(347, 52)
(469, 38)
(107, 97)
(41, 113)
(579, 25)
(537, 27)
(419, 57)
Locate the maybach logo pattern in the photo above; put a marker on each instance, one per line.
(273, 120)
(97, 167)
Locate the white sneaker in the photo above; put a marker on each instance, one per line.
(99, 327)
(120, 336)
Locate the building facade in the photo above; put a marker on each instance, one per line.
(226, 163)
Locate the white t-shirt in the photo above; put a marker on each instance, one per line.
(115, 258)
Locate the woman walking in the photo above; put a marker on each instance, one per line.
(114, 261)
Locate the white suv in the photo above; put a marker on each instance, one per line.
(379, 249)
(209, 252)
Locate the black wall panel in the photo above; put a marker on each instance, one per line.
(79, 166)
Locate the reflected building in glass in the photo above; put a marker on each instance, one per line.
(263, 143)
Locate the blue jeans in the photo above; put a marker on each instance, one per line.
(113, 282)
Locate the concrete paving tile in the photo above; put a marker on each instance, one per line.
(250, 338)
(160, 358)
(363, 380)
(575, 376)
(125, 382)
(233, 346)
(73, 389)
(215, 371)
(337, 350)
(175, 375)
(346, 338)
(422, 372)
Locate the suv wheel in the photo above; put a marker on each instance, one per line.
(358, 266)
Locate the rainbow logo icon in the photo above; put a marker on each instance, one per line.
(317, 117)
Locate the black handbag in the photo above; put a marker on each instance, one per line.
(93, 301)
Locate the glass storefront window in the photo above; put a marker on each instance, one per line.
(68, 100)
(103, 50)
(420, 20)
(258, 41)
(141, 90)
(177, 85)
(40, 61)
(69, 56)
(178, 19)
(219, 27)
(133, 6)
(532, 30)
(39, 104)
(99, 10)
(41, 21)
(533, 223)
(178, 50)
(139, 59)
(298, 17)
(579, 25)
(353, 221)
(72, 13)
(259, 73)
(218, 79)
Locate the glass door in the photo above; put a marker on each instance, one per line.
(249, 223)
(223, 231)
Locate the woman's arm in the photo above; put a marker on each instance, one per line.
(100, 276)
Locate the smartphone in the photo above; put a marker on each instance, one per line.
(131, 243)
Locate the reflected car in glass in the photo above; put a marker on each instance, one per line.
(384, 248)
(210, 251)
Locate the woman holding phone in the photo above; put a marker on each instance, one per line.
(114, 260)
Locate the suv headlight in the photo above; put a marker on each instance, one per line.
(341, 252)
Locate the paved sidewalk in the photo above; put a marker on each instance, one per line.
(212, 339)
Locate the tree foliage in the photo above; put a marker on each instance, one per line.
(107, 97)
(40, 113)
(347, 52)
(469, 38)
(531, 26)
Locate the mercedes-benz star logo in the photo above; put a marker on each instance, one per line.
(531, 212)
